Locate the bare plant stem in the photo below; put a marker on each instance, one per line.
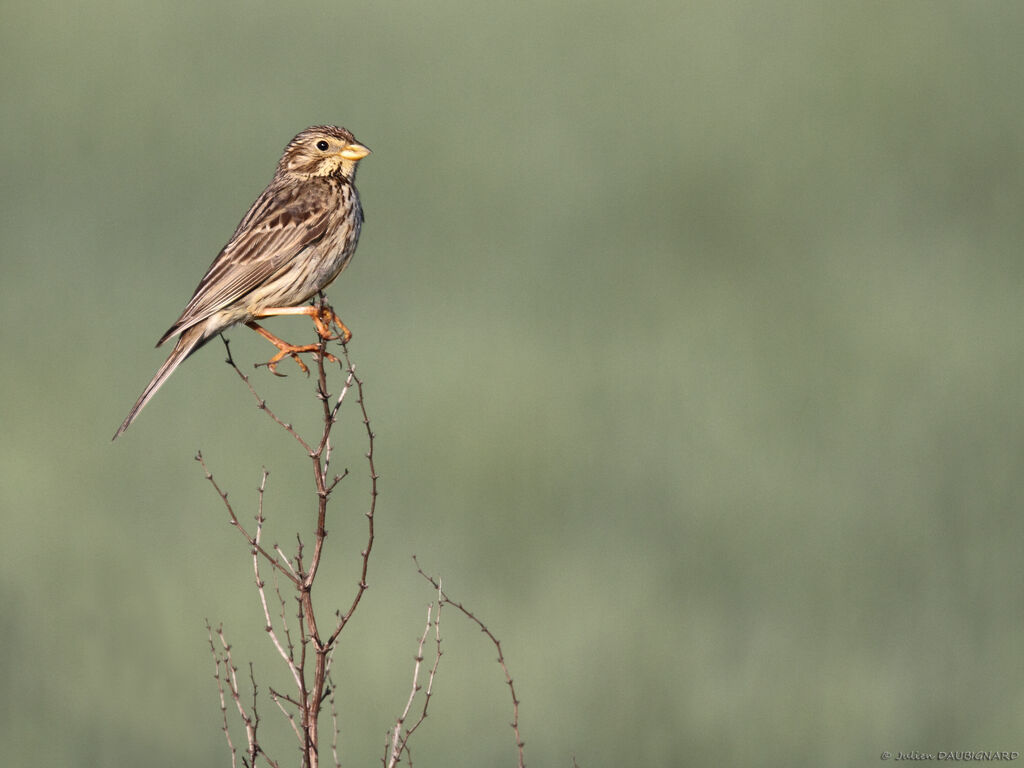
(309, 660)
(443, 599)
(307, 647)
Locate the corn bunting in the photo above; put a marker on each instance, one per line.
(295, 240)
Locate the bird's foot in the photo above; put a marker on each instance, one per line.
(284, 349)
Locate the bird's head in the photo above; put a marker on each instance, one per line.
(323, 150)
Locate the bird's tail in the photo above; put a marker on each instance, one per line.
(189, 341)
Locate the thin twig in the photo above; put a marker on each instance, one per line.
(334, 723)
(237, 524)
(260, 588)
(444, 598)
(284, 619)
(278, 699)
(344, 618)
(399, 741)
(260, 402)
(217, 664)
(287, 563)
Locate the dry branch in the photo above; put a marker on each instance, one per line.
(308, 653)
(305, 648)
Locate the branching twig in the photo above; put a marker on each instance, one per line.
(306, 649)
(308, 657)
(218, 663)
(235, 522)
(444, 599)
(398, 742)
(260, 588)
(344, 618)
(226, 674)
(260, 402)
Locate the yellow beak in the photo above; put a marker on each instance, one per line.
(354, 152)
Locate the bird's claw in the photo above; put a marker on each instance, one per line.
(294, 352)
(323, 318)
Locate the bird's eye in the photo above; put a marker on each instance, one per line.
(322, 145)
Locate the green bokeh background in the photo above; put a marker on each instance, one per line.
(692, 340)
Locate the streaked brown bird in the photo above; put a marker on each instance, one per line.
(295, 240)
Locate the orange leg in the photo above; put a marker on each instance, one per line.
(287, 350)
(322, 317)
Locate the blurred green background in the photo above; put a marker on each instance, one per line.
(691, 335)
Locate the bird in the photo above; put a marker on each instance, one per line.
(294, 241)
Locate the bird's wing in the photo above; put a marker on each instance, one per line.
(276, 229)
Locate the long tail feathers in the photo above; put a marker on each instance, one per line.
(189, 341)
